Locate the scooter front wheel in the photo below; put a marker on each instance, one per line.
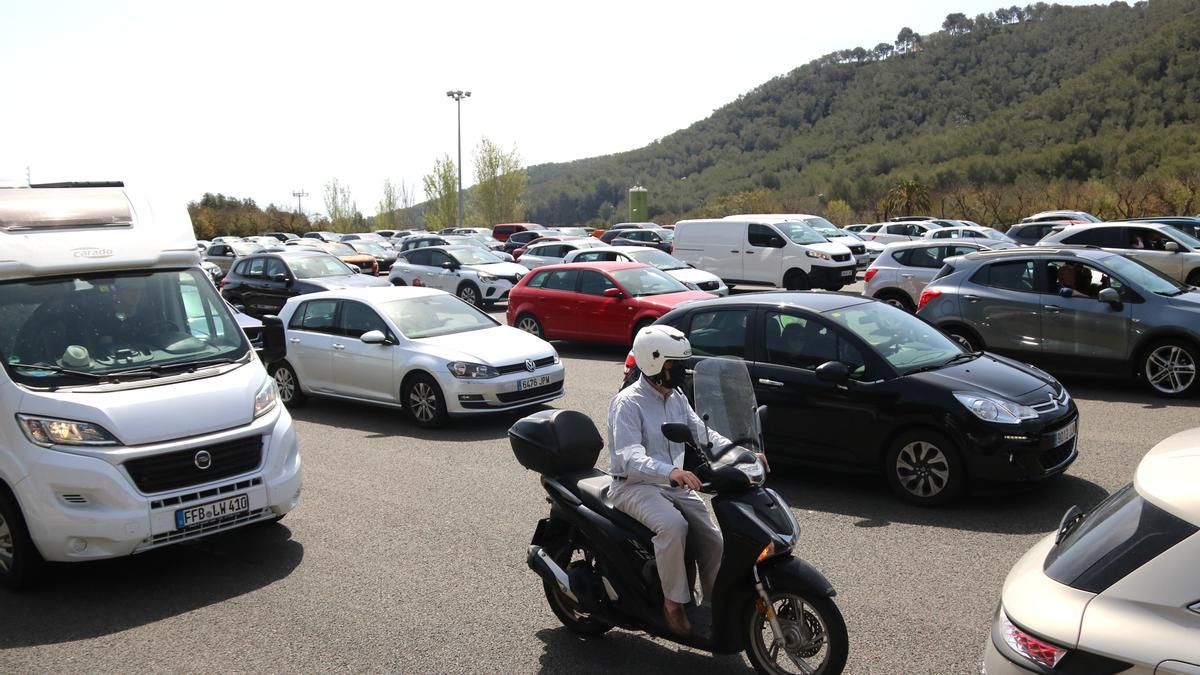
(564, 607)
(814, 635)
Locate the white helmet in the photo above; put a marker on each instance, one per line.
(655, 345)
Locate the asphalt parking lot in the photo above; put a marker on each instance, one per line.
(407, 555)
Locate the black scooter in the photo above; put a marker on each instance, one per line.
(597, 564)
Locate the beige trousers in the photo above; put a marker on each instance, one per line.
(675, 515)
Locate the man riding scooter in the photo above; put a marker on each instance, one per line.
(649, 481)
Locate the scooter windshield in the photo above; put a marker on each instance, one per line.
(724, 396)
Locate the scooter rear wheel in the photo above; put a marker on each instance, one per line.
(565, 608)
(815, 635)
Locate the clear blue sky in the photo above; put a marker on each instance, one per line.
(258, 99)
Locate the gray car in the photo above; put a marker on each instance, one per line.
(900, 273)
(223, 255)
(1073, 309)
(1171, 251)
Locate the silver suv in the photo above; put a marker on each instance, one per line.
(1163, 247)
(900, 273)
(1073, 309)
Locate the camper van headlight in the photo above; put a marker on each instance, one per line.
(818, 255)
(48, 431)
(266, 398)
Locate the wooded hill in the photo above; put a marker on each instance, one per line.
(1045, 105)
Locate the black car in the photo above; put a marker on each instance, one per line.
(855, 383)
(261, 284)
(282, 236)
(524, 238)
(1029, 234)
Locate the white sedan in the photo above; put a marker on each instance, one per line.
(695, 279)
(419, 349)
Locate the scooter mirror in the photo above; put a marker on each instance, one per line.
(678, 433)
(761, 411)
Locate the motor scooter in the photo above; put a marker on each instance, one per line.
(597, 563)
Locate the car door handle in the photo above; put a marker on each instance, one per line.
(338, 347)
(906, 276)
(294, 341)
(769, 383)
(1052, 308)
(735, 251)
(971, 298)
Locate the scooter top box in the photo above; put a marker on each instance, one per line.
(554, 442)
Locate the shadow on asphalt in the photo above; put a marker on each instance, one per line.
(1026, 511)
(380, 422)
(587, 351)
(1120, 390)
(78, 601)
(622, 652)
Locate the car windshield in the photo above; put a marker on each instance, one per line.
(318, 266)
(434, 315)
(474, 256)
(824, 227)
(1186, 238)
(996, 234)
(340, 249)
(906, 342)
(661, 260)
(848, 233)
(73, 331)
(1139, 274)
(245, 247)
(642, 281)
(368, 247)
(800, 233)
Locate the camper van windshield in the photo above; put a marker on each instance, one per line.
(73, 331)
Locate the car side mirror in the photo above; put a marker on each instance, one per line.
(834, 372)
(1065, 292)
(1171, 247)
(374, 337)
(613, 293)
(240, 308)
(448, 265)
(678, 432)
(1110, 296)
(274, 341)
(282, 278)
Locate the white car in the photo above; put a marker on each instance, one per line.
(970, 232)
(555, 252)
(697, 280)
(475, 275)
(891, 233)
(1116, 589)
(419, 349)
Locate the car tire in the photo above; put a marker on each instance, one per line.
(1169, 368)
(398, 282)
(898, 299)
(288, 385)
(424, 401)
(637, 328)
(1193, 278)
(530, 324)
(20, 561)
(964, 337)
(469, 293)
(925, 468)
(796, 280)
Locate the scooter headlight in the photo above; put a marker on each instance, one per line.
(753, 470)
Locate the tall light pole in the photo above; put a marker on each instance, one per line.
(458, 96)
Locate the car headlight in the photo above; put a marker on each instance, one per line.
(471, 371)
(818, 255)
(487, 278)
(556, 359)
(995, 409)
(48, 431)
(266, 398)
(694, 287)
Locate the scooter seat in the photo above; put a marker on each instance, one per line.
(592, 488)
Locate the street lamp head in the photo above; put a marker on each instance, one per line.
(467, 94)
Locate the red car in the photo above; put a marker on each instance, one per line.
(596, 302)
(501, 232)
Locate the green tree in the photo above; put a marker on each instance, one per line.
(499, 186)
(340, 206)
(387, 213)
(440, 192)
(908, 196)
(839, 213)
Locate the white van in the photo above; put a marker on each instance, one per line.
(136, 412)
(772, 251)
(863, 253)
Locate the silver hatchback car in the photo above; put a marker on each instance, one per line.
(1073, 310)
(900, 273)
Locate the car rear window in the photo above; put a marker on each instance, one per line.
(1120, 535)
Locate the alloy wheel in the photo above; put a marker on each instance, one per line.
(286, 384)
(530, 325)
(1170, 369)
(422, 401)
(469, 295)
(804, 649)
(922, 468)
(6, 546)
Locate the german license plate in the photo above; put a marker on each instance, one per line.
(533, 382)
(1064, 434)
(211, 511)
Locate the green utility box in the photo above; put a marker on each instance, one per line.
(637, 204)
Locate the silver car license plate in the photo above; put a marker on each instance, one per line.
(1064, 434)
(533, 382)
(211, 511)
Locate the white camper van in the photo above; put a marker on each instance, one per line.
(772, 251)
(136, 414)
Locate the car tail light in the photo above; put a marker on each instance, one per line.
(927, 295)
(870, 274)
(1039, 651)
(630, 363)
